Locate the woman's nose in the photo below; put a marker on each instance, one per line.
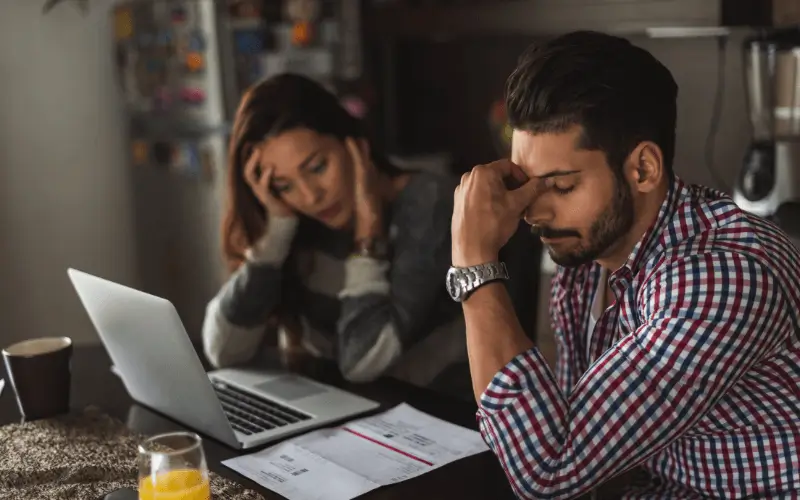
(312, 194)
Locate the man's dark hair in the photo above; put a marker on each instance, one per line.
(619, 93)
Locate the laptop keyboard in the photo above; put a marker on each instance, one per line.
(251, 414)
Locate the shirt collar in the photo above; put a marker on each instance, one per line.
(665, 230)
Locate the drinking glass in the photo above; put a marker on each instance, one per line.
(173, 466)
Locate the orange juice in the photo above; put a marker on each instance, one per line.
(187, 484)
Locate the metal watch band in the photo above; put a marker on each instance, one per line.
(462, 281)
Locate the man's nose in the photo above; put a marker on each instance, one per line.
(538, 213)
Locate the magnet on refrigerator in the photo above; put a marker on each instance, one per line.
(249, 41)
(140, 152)
(195, 62)
(207, 163)
(178, 14)
(163, 153)
(302, 33)
(192, 96)
(303, 14)
(244, 9)
(303, 10)
(185, 160)
(197, 42)
(194, 165)
(123, 24)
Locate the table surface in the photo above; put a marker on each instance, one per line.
(478, 476)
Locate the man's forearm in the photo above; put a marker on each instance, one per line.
(494, 335)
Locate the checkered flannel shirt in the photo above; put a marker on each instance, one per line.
(692, 374)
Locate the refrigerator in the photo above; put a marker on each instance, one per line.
(181, 68)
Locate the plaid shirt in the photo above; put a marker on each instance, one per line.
(692, 373)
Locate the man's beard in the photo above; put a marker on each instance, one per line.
(611, 225)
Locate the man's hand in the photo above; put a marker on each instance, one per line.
(486, 213)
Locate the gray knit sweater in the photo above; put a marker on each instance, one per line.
(373, 317)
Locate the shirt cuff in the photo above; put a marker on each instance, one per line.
(365, 275)
(274, 246)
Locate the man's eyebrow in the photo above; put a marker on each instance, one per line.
(557, 173)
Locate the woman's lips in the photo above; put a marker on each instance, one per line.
(330, 212)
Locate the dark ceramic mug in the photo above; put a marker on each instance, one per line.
(39, 371)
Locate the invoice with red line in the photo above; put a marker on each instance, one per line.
(347, 461)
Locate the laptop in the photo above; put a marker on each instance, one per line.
(241, 407)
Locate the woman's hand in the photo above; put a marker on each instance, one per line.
(259, 181)
(368, 202)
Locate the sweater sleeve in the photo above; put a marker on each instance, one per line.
(237, 316)
(389, 304)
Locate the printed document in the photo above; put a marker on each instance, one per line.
(348, 461)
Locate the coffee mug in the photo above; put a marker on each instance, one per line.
(39, 371)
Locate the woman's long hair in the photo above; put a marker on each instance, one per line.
(276, 105)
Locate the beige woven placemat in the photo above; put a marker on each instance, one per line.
(79, 456)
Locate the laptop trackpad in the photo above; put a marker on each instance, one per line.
(290, 388)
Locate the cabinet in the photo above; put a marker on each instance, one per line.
(550, 17)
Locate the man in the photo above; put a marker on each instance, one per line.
(675, 313)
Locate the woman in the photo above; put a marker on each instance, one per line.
(322, 229)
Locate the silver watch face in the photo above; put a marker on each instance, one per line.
(453, 284)
(461, 282)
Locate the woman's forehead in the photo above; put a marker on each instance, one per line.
(289, 150)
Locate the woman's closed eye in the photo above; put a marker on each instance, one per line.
(318, 167)
(281, 186)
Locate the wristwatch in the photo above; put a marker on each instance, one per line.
(462, 281)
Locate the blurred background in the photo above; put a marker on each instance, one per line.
(112, 160)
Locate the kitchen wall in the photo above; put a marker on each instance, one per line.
(63, 182)
(694, 64)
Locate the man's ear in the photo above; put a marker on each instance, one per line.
(645, 167)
